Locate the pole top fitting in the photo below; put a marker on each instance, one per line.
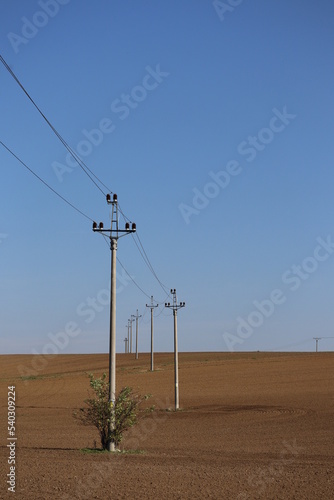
(114, 198)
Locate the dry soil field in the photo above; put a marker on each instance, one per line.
(251, 425)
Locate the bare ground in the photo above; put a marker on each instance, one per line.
(251, 426)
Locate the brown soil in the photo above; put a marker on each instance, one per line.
(251, 425)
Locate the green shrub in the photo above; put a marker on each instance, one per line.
(98, 411)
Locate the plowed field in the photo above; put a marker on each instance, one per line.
(250, 426)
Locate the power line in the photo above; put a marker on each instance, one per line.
(282, 348)
(86, 169)
(106, 239)
(131, 278)
(162, 312)
(151, 267)
(45, 183)
(144, 255)
(142, 318)
(80, 162)
(147, 262)
(120, 263)
(124, 216)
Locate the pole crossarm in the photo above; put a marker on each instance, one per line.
(175, 306)
(114, 233)
(152, 305)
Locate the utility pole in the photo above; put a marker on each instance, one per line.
(175, 306)
(152, 306)
(131, 321)
(137, 316)
(114, 233)
(125, 345)
(128, 325)
(317, 340)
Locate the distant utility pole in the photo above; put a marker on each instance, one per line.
(128, 326)
(125, 345)
(175, 306)
(137, 316)
(152, 306)
(317, 340)
(131, 321)
(114, 233)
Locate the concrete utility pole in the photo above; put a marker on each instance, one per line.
(128, 326)
(175, 306)
(137, 332)
(131, 321)
(125, 345)
(152, 306)
(317, 340)
(114, 233)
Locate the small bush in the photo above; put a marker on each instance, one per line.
(99, 414)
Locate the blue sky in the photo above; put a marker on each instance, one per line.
(217, 136)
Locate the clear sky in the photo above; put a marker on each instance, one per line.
(213, 122)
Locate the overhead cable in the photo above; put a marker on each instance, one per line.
(80, 162)
(45, 183)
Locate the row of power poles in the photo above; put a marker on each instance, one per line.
(114, 233)
(128, 339)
